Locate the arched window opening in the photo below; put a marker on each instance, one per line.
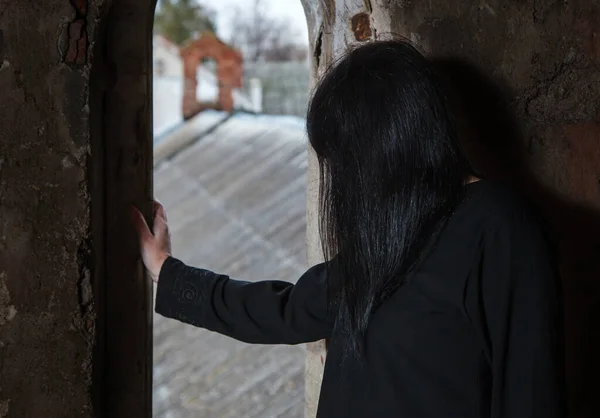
(230, 163)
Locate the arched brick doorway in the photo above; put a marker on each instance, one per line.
(229, 73)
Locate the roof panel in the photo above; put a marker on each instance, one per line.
(235, 199)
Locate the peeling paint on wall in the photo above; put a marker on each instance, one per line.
(7, 312)
(4, 404)
(77, 37)
(361, 27)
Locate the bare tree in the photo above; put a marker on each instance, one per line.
(261, 36)
(284, 48)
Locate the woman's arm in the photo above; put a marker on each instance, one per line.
(265, 312)
(268, 312)
(521, 307)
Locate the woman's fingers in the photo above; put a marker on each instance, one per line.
(140, 225)
(159, 209)
(155, 248)
(160, 221)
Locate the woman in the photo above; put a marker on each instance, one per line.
(438, 295)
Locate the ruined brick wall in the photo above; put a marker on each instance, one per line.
(229, 73)
(46, 305)
(543, 58)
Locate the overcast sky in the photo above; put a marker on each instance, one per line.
(287, 9)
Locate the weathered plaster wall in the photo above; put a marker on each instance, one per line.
(46, 304)
(543, 57)
(75, 152)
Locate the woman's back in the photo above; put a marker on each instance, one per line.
(470, 334)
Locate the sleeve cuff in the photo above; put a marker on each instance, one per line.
(184, 293)
(165, 290)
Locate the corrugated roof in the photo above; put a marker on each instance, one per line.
(236, 204)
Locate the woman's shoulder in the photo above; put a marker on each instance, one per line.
(494, 204)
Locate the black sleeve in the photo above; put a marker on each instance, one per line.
(265, 312)
(521, 306)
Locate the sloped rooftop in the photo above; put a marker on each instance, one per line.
(235, 199)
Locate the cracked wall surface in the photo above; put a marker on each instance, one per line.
(46, 304)
(537, 111)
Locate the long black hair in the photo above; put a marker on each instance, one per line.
(391, 174)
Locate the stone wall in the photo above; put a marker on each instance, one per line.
(46, 305)
(75, 152)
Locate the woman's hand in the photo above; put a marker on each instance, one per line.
(155, 248)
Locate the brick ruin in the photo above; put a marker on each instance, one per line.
(229, 73)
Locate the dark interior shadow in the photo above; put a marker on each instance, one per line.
(489, 130)
(497, 149)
